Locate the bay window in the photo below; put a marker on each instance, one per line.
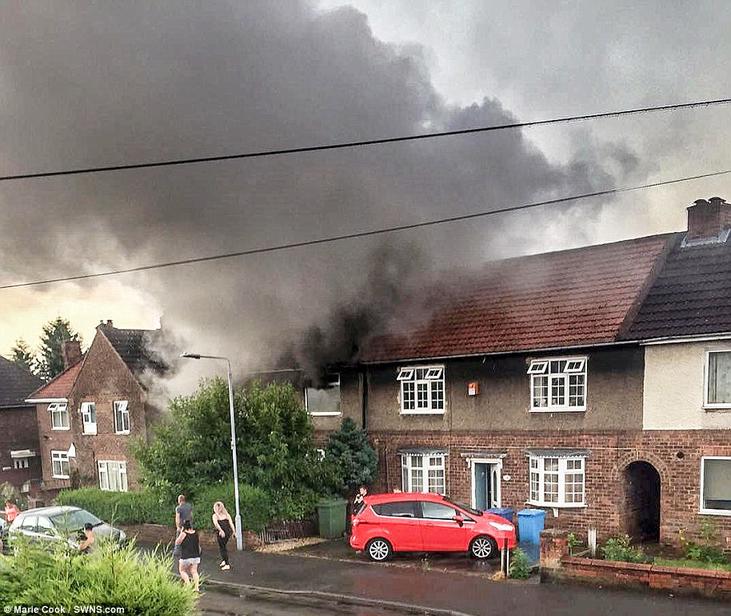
(423, 472)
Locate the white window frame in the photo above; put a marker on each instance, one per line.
(541, 369)
(706, 378)
(20, 463)
(702, 509)
(407, 465)
(125, 412)
(103, 470)
(562, 472)
(331, 383)
(408, 375)
(88, 427)
(61, 409)
(60, 457)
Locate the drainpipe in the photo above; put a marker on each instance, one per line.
(364, 402)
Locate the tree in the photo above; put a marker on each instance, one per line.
(55, 333)
(22, 355)
(351, 455)
(190, 450)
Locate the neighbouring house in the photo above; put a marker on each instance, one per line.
(88, 415)
(593, 383)
(20, 464)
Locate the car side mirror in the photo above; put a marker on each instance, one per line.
(458, 519)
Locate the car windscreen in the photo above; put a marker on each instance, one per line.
(469, 510)
(72, 521)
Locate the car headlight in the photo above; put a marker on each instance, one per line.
(503, 527)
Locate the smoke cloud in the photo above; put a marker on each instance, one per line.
(102, 83)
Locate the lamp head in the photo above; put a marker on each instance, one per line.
(191, 355)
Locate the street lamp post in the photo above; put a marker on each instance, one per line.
(237, 520)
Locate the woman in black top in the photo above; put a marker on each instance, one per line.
(190, 554)
(225, 528)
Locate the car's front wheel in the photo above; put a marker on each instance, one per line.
(379, 549)
(483, 547)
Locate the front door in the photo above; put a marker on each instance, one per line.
(486, 485)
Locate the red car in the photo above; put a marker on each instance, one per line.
(416, 522)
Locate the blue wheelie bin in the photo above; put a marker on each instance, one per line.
(530, 525)
(503, 512)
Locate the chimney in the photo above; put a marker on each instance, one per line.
(708, 219)
(71, 351)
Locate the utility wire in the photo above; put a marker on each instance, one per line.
(369, 142)
(359, 234)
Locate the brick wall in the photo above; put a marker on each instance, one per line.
(675, 455)
(18, 430)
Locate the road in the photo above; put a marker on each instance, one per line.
(467, 594)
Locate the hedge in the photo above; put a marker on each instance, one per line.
(258, 508)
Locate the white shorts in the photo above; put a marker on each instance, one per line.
(186, 562)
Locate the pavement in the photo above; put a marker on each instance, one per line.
(439, 592)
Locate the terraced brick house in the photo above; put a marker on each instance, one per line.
(88, 415)
(20, 464)
(593, 383)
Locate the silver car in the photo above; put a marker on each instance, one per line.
(51, 524)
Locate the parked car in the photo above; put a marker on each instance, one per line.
(416, 522)
(51, 524)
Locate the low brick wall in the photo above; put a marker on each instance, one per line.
(158, 533)
(558, 566)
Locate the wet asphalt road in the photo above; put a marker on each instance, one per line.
(468, 594)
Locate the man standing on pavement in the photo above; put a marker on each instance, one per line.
(183, 513)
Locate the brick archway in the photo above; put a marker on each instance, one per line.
(636, 456)
(643, 477)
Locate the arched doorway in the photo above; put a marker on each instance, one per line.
(642, 501)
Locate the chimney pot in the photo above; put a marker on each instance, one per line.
(110, 323)
(71, 353)
(708, 219)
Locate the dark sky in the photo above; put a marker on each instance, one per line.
(108, 82)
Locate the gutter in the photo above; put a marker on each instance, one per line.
(689, 338)
(504, 353)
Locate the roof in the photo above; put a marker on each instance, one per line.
(134, 347)
(15, 383)
(579, 297)
(690, 296)
(60, 386)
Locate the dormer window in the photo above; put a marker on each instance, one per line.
(558, 384)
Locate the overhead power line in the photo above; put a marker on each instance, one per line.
(369, 142)
(360, 234)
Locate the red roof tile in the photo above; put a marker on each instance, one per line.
(560, 299)
(60, 386)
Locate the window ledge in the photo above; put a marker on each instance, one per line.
(721, 512)
(60, 429)
(61, 476)
(439, 412)
(326, 414)
(716, 407)
(581, 409)
(557, 505)
(123, 433)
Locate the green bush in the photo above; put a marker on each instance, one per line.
(140, 582)
(707, 550)
(352, 458)
(256, 505)
(520, 567)
(121, 507)
(621, 549)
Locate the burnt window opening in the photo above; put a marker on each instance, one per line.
(324, 399)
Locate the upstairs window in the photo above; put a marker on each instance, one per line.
(556, 481)
(88, 417)
(324, 400)
(423, 472)
(422, 389)
(716, 485)
(718, 379)
(60, 465)
(59, 416)
(121, 417)
(558, 384)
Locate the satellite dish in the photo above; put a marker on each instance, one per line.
(72, 451)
